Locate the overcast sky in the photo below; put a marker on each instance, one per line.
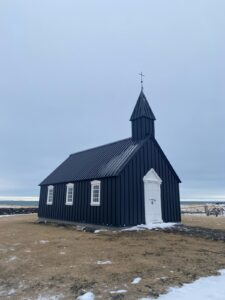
(69, 81)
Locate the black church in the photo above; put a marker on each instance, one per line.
(123, 183)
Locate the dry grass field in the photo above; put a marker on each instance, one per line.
(206, 222)
(39, 261)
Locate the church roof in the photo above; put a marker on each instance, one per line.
(103, 161)
(142, 108)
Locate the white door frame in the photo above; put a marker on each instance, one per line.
(152, 197)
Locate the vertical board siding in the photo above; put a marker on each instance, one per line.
(81, 210)
(133, 211)
(142, 127)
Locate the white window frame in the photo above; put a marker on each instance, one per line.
(49, 200)
(95, 183)
(69, 186)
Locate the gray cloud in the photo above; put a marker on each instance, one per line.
(68, 81)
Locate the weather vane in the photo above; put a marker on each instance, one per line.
(142, 75)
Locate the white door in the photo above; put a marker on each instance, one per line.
(152, 191)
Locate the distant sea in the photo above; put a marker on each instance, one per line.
(18, 203)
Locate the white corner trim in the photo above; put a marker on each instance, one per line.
(69, 186)
(50, 188)
(152, 176)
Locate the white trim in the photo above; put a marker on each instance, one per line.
(69, 186)
(50, 197)
(152, 176)
(152, 194)
(94, 184)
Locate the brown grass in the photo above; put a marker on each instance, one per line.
(67, 263)
(204, 221)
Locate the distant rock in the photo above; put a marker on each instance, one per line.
(17, 210)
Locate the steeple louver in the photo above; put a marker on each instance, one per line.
(142, 119)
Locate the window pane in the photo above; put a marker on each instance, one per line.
(95, 194)
(69, 197)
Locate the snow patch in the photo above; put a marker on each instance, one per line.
(15, 215)
(100, 230)
(12, 258)
(136, 280)
(4, 216)
(106, 262)
(118, 292)
(43, 242)
(56, 297)
(87, 296)
(7, 293)
(150, 226)
(211, 287)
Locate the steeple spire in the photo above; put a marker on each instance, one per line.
(142, 75)
(142, 118)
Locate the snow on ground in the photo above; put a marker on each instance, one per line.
(118, 292)
(4, 216)
(57, 297)
(4, 293)
(43, 241)
(15, 215)
(136, 280)
(12, 258)
(106, 262)
(211, 288)
(150, 226)
(87, 296)
(100, 230)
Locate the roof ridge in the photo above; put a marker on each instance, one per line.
(108, 144)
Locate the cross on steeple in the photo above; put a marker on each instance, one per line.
(142, 75)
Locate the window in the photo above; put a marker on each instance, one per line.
(95, 192)
(69, 193)
(50, 194)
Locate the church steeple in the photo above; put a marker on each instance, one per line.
(142, 119)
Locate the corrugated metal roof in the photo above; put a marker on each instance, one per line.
(99, 162)
(142, 109)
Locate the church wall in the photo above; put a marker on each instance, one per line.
(132, 187)
(81, 211)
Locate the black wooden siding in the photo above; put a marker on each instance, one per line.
(122, 197)
(132, 186)
(142, 127)
(81, 210)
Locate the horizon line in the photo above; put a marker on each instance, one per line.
(36, 198)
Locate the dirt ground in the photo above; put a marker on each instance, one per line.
(48, 260)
